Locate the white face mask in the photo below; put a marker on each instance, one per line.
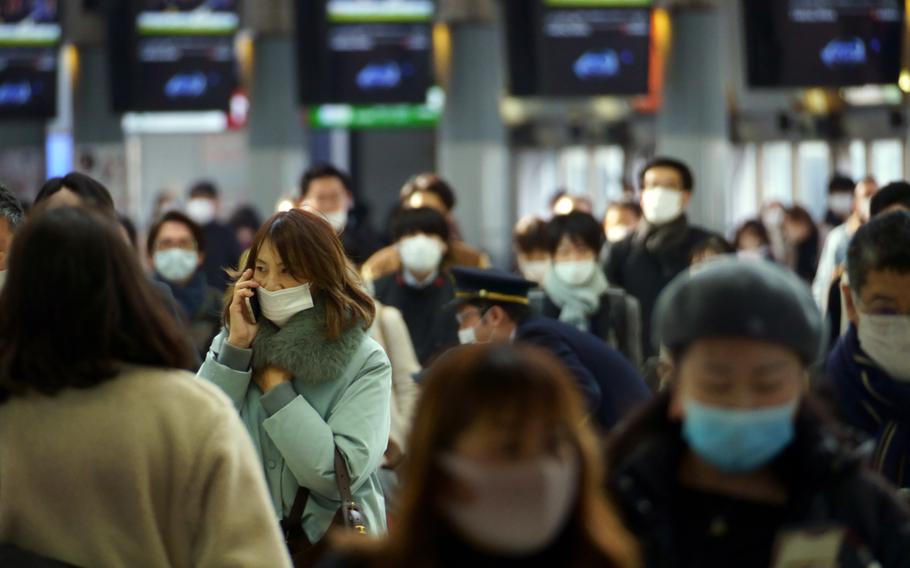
(176, 265)
(575, 272)
(841, 203)
(661, 205)
(534, 270)
(420, 253)
(338, 220)
(516, 508)
(618, 233)
(467, 336)
(886, 339)
(279, 307)
(201, 210)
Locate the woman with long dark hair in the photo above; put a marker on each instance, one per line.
(803, 242)
(309, 383)
(110, 456)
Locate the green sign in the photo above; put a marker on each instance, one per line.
(389, 11)
(29, 35)
(374, 116)
(599, 3)
(178, 23)
(379, 18)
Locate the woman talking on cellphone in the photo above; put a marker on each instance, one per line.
(297, 362)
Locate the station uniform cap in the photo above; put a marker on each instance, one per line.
(740, 299)
(491, 285)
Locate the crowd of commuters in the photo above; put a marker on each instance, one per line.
(637, 391)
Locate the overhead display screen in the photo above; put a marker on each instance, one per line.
(579, 47)
(29, 53)
(365, 51)
(182, 55)
(824, 43)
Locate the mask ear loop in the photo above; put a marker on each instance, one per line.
(482, 316)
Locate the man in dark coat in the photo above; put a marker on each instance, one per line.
(493, 306)
(869, 368)
(661, 246)
(329, 190)
(223, 249)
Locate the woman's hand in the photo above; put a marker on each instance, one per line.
(242, 331)
(270, 377)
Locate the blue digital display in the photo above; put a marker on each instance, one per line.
(602, 64)
(181, 56)
(568, 48)
(365, 51)
(380, 76)
(841, 53)
(824, 43)
(29, 53)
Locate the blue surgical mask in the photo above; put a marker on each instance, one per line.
(738, 440)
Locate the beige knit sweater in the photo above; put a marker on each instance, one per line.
(152, 468)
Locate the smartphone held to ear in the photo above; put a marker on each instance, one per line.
(253, 311)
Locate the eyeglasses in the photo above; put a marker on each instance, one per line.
(463, 316)
(166, 244)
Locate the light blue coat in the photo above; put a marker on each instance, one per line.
(296, 426)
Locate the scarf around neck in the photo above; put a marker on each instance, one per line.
(659, 239)
(191, 296)
(867, 395)
(577, 303)
(302, 349)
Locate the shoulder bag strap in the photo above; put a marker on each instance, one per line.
(353, 517)
(294, 521)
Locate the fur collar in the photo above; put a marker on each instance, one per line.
(301, 347)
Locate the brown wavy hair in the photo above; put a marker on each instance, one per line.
(475, 383)
(311, 252)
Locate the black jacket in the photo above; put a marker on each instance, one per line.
(428, 312)
(200, 307)
(221, 251)
(359, 241)
(807, 258)
(648, 260)
(170, 304)
(827, 483)
(611, 386)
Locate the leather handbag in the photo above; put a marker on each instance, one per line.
(304, 553)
